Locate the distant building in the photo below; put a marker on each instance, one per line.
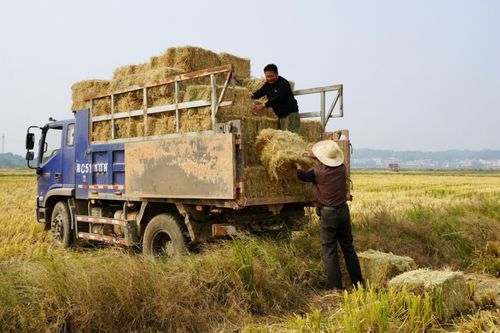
(394, 167)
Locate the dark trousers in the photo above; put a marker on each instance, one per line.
(290, 122)
(336, 227)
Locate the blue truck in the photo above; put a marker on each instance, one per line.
(159, 193)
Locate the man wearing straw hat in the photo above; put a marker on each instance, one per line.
(329, 185)
(280, 98)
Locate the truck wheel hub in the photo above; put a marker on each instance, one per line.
(163, 245)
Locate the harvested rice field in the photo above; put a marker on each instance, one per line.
(444, 221)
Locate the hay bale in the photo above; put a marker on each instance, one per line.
(250, 128)
(101, 130)
(242, 103)
(186, 58)
(128, 101)
(258, 184)
(161, 123)
(310, 130)
(446, 287)
(129, 127)
(122, 128)
(379, 267)
(279, 150)
(241, 66)
(101, 106)
(81, 89)
(129, 70)
(240, 109)
(195, 120)
(164, 94)
(172, 62)
(254, 84)
(128, 76)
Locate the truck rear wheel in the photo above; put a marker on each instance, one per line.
(60, 225)
(164, 237)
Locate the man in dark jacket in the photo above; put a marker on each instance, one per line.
(280, 98)
(329, 185)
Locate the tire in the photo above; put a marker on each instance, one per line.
(164, 237)
(284, 234)
(60, 225)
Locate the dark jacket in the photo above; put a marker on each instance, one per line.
(279, 97)
(329, 184)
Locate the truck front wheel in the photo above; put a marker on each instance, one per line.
(60, 225)
(164, 237)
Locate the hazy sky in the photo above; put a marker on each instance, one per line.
(417, 75)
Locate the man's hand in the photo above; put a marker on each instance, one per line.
(258, 109)
(308, 154)
(297, 166)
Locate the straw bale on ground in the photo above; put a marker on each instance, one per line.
(279, 150)
(447, 286)
(379, 267)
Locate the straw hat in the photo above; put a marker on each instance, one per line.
(328, 152)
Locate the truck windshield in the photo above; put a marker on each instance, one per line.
(52, 144)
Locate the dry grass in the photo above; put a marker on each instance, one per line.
(439, 219)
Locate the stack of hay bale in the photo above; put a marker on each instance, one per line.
(176, 61)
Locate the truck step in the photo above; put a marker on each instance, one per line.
(102, 238)
(100, 220)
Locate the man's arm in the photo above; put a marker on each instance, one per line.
(305, 176)
(260, 92)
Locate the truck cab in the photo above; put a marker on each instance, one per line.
(54, 163)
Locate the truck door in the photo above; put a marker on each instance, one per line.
(68, 162)
(50, 160)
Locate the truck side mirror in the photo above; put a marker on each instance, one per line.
(30, 156)
(30, 141)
